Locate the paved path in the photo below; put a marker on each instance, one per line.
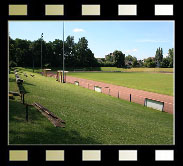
(137, 96)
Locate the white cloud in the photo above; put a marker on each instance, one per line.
(131, 51)
(78, 30)
(151, 41)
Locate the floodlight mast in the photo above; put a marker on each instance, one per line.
(63, 54)
(41, 51)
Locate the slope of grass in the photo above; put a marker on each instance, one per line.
(91, 117)
(153, 82)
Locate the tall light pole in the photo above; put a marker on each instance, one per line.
(63, 54)
(41, 51)
(31, 50)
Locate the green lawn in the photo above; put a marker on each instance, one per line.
(91, 117)
(154, 82)
(169, 70)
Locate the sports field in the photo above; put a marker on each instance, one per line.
(153, 82)
(91, 117)
(167, 70)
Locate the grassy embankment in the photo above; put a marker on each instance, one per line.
(91, 117)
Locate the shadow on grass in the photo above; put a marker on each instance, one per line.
(12, 80)
(22, 89)
(11, 72)
(26, 83)
(39, 130)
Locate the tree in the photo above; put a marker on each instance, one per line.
(28, 54)
(81, 48)
(69, 49)
(131, 61)
(84, 56)
(49, 53)
(37, 52)
(12, 59)
(109, 58)
(135, 63)
(21, 54)
(119, 58)
(159, 56)
(165, 62)
(57, 55)
(140, 63)
(168, 61)
(129, 58)
(170, 57)
(149, 62)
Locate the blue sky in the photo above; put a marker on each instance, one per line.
(137, 38)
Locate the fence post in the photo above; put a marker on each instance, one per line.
(65, 78)
(23, 98)
(118, 94)
(109, 91)
(163, 107)
(144, 101)
(130, 97)
(60, 77)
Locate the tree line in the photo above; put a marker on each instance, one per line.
(159, 60)
(25, 53)
(118, 59)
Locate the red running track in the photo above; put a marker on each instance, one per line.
(137, 96)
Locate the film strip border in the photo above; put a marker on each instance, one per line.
(16, 157)
(87, 10)
(56, 155)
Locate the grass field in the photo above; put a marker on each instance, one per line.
(154, 82)
(91, 117)
(169, 70)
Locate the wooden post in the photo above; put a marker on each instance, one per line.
(145, 102)
(163, 107)
(118, 94)
(130, 97)
(65, 77)
(109, 91)
(23, 98)
(27, 113)
(60, 77)
(57, 75)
